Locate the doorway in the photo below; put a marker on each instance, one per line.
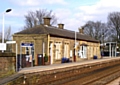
(83, 51)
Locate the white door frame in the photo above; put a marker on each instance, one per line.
(51, 53)
(83, 51)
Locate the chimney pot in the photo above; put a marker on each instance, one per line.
(61, 26)
(47, 21)
(81, 30)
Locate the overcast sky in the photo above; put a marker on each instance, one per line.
(72, 13)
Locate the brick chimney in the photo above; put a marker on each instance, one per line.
(61, 26)
(47, 21)
(81, 30)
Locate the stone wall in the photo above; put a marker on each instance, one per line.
(36, 39)
(92, 48)
(7, 64)
(47, 77)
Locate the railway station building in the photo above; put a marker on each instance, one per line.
(56, 43)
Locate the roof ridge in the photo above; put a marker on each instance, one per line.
(44, 29)
(55, 31)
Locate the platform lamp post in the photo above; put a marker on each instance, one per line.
(8, 10)
(75, 47)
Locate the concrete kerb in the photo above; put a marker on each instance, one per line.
(59, 66)
(10, 78)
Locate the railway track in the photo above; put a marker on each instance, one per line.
(96, 77)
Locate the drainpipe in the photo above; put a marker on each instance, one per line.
(43, 53)
(75, 48)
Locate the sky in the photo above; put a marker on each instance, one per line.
(72, 13)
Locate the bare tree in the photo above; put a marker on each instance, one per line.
(8, 33)
(96, 30)
(36, 18)
(114, 25)
(7, 37)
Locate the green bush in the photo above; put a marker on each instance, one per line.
(46, 58)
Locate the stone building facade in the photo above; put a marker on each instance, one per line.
(57, 42)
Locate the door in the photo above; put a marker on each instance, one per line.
(83, 51)
(40, 58)
(51, 52)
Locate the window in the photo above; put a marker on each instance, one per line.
(66, 50)
(27, 51)
(83, 51)
(57, 50)
(30, 50)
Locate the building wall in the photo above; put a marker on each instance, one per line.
(92, 48)
(63, 42)
(68, 44)
(36, 39)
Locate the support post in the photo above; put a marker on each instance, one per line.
(109, 49)
(75, 48)
(16, 58)
(115, 49)
(43, 53)
(20, 56)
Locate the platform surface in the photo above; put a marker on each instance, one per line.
(63, 65)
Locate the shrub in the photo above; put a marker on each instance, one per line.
(46, 58)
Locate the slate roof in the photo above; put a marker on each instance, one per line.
(54, 31)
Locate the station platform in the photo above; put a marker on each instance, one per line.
(64, 65)
(60, 70)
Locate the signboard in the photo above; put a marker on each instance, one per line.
(2, 46)
(26, 45)
(10, 42)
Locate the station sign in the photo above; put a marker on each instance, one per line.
(26, 45)
(2, 46)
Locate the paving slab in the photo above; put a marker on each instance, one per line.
(12, 77)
